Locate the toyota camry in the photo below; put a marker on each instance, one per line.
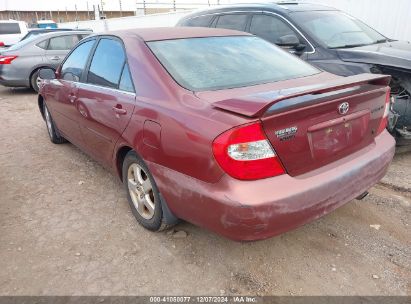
(219, 128)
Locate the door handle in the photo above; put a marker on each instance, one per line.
(119, 110)
(55, 58)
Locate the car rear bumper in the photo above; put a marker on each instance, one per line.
(253, 210)
(9, 77)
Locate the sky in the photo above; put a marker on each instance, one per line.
(45, 5)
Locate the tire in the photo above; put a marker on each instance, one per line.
(34, 81)
(52, 130)
(143, 195)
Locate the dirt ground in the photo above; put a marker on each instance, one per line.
(66, 229)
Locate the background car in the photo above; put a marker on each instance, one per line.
(46, 24)
(34, 32)
(219, 127)
(11, 32)
(20, 64)
(327, 38)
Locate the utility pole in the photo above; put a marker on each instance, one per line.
(102, 7)
(121, 9)
(97, 12)
(88, 12)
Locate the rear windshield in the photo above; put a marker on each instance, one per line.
(214, 63)
(9, 28)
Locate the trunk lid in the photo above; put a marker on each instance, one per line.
(311, 126)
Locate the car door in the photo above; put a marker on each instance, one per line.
(106, 99)
(58, 47)
(62, 95)
(274, 28)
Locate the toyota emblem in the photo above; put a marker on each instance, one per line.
(343, 108)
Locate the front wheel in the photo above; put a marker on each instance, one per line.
(54, 134)
(143, 195)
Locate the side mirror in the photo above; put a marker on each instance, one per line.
(300, 47)
(47, 74)
(291, 41)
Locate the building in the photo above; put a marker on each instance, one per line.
(65, 10)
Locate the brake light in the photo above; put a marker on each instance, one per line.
(2, 44)
(245, 153)
(7, 59)
(384, 120)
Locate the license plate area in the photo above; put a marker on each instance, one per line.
(337, 136)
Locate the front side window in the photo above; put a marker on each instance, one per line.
(107, 63)
(9, 28)
(63, 42)
(232, 22)
(213, 63)
(270, 28)
(336, 29)
(73, 67)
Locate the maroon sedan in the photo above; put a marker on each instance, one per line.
(219, 128)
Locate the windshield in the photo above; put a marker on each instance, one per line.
(213, 63)
(336, 29)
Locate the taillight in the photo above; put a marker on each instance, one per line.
(7, 59)
(384, 119)
(245, 153)
(2, 44)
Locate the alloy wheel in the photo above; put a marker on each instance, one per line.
(38, 82)
(48, 121)
(141, 191)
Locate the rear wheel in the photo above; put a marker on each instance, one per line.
(143, 195)
(54, 134)
(35, 81)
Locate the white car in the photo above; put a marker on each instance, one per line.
(11, 32)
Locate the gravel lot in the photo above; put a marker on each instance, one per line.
(66, 229)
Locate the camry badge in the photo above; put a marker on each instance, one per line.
(286, 134)
(343, 108)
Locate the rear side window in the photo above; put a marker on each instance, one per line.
(232, 22)
(126, 83)
(202, 21)
(74, 65)
(63, 42)
(107, 63)
(9, 28)
(43, 44)
(82, 36)
(270, 28)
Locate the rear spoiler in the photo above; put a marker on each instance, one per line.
(257, 104)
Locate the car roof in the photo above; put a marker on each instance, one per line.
(168, 33)
(281, 7)
(50, 29)
(58, 33)
(11, 21)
